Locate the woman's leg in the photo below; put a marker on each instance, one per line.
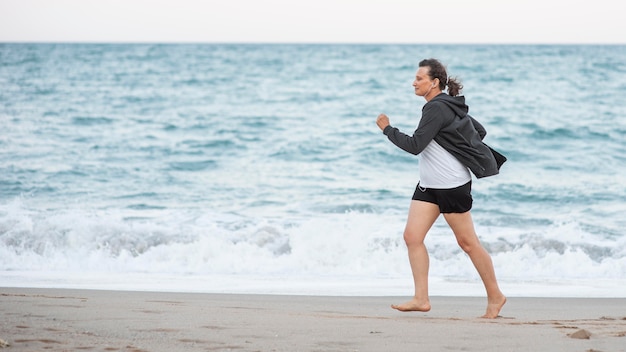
(463, 227)
(422, 216)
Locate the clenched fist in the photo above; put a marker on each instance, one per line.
(382, 121)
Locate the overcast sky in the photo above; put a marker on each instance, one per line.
(313, 21)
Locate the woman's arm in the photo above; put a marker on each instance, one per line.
(430, 124)
(478, 127)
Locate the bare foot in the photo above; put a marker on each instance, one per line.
(413, 305)
(494, 306)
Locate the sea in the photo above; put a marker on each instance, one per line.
(259, 168)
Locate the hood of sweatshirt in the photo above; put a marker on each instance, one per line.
(457, 104)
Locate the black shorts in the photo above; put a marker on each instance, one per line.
(451, 200)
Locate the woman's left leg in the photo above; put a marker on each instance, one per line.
(463, 228)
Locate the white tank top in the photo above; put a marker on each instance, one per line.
(440, 169)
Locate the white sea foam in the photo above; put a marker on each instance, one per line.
(356, 253)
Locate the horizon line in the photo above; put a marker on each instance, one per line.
(183, 42)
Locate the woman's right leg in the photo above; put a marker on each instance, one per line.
(463, 228)
(422, 216)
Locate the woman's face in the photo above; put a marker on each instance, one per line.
(422, 83)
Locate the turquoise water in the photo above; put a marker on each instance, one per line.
(232, 162)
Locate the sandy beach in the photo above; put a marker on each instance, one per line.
(90, 320)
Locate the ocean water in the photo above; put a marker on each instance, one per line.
(260, 169)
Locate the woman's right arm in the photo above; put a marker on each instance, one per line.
(429, 126)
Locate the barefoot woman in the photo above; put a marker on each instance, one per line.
(449, 143)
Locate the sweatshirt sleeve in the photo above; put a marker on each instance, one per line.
(478, 127)
(429, 126)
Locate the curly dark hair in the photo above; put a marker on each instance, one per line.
(437, 70)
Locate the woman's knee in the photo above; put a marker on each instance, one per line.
(412, 239)
(465, 246)
(468, 244)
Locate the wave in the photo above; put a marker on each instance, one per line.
(352, 242)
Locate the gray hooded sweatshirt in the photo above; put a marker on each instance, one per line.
(445, 119)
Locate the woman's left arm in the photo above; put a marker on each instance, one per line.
(482, 132)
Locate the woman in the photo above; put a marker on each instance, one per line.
(449, 144)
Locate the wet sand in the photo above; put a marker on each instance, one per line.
(91, 320)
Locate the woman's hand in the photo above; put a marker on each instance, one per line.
(382, 121)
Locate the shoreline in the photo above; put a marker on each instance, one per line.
(78, 319)
(298, 285)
